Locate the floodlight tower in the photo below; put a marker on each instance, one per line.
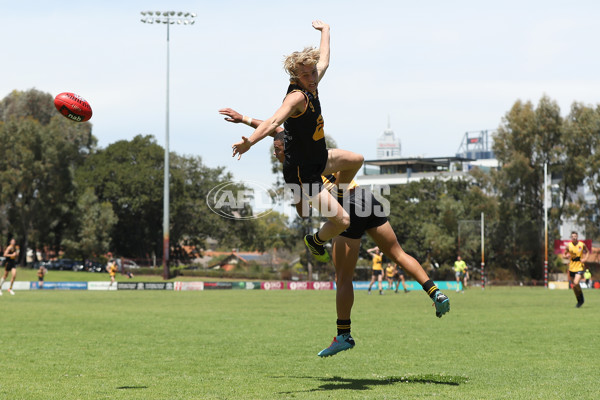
(167, 18)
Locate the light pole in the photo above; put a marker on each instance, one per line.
(168, 18)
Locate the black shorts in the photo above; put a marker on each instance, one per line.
(377, 272)
(572, 274)
(9, 264)
(364, 210)
(306, 176)
(399, 273)
(41, 278)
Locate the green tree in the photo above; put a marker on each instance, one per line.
(425, 216)
(580, 165)
(39, 149)
(527, 138)
(92, 228)
(129, 175)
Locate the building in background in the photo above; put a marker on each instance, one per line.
(388, 146)
(391, 169)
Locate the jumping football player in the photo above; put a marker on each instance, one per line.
(306, 153)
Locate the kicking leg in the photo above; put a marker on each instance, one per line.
(345, 255)
(385, 238)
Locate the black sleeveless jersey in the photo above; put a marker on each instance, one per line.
(304, 136)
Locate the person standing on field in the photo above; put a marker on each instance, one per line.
(400, 278)
(112, 271)
(460, 272)
(587, 275)
(575, 251)
(11, 253)
(41, 272)
(390, 272)
(376, 268)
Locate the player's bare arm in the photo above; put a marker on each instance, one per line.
(323, 63)
(235, 117)
(293, 104)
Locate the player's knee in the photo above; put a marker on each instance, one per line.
(344, 279)
(357, 160)
(345, 222)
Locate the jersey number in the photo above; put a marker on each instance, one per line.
(319, 133)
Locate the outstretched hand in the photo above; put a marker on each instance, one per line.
(319, 25)
(231, 115)
(240, 148)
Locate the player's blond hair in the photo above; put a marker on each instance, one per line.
(308, 56)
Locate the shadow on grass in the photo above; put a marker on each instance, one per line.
(339, 383)
(132, 387)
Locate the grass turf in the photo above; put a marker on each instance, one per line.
(501, 343)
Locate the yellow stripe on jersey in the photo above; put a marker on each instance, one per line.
(329, 183)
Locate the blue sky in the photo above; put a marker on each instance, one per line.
(438, 69)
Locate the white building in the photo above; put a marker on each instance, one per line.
(388, 146)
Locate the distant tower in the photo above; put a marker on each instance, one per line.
(387, 144)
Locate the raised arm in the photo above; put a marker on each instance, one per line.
(323, 63)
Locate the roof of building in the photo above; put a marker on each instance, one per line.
(441, 161)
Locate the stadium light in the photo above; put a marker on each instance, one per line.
(168, 19)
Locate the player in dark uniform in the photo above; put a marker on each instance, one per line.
(400, 278)
(367, 215)
(306, 154)
(10, 253)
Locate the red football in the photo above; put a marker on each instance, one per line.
(73, 106)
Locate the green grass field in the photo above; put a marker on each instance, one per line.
(503, 343)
